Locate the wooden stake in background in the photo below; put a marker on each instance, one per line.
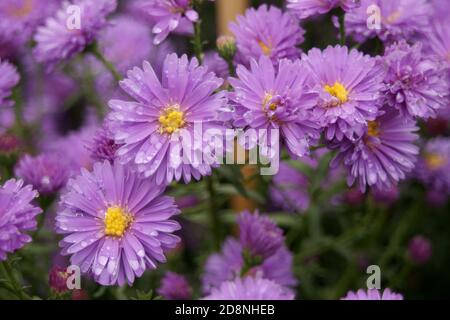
(227, 10)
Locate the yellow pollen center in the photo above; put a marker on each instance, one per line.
(20, 11)
(266, 49)
(266, 102)
(393, 17)
(171, 120)
(373, 128)
(116, 221)
(434, 161)
(338, 91)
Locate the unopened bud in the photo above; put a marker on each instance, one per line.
(226, 46)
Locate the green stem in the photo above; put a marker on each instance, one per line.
(342, 28)
(213, 214)
(108, 64)
(197, 41)
(6, 269)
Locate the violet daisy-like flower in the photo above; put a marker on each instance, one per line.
(415, 84)
(269, 97)
(266, 31)
(348, 85)
(175, 287)
(228, 264)
(390, 20)
(63, 36)
(383, 154)
(433, 167)
(437, 40)
(47, 172)
(373, 294)
(17, 215)
(250, 288)
(289, 189)
(169, 16)
(9, 78)
(259, 235)
(115, 224)
(307, 8)
(102, 145)
(156, 128)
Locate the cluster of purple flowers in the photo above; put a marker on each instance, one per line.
(110, 174)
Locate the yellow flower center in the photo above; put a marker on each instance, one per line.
(373, 128)
(393, 17)
(266, 102)
(117, 221)
(338, 91)
(266, 48)
(434, 161)
(20, 11)
(171, 120)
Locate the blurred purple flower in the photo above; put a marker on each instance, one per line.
(250, 288)
(259, 234)
(399, 19)
(373, 294)
(387, 196)
(266, 31)
(382, 155)
(57, 40)
(47, 172)
(17, 215)
(415, 84)
(269, 97)
(433, 167)
(175, 287)
(348, 85)
(169, 16)
(307, 8)
(115, 224)
(9, 78)
(289, 189)
(151, 128)
(216, 64)
(228, 264)
(419, 249)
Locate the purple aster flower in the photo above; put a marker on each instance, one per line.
(166, 120)
(259, 235)
(307, 8)
(58, 40)
(415, 84)
(17, 215)
(383, 154)
(169, 16)
(216, 64)
(102, 146)
(9, 78)
(175, 287)
(266, 31)
(289, 189)
(227, 265)
(398, 19)
(373, 294)
(47, 172)
(348, 85)
(275, 98)
(115, 224)
(437, 40)
(250, 288)
(419, 249)
(433, 167)
(18, 21)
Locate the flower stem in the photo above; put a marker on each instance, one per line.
(6, 269)
(108, 64)
(197, 41)
(342, 28)
(213, 214)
